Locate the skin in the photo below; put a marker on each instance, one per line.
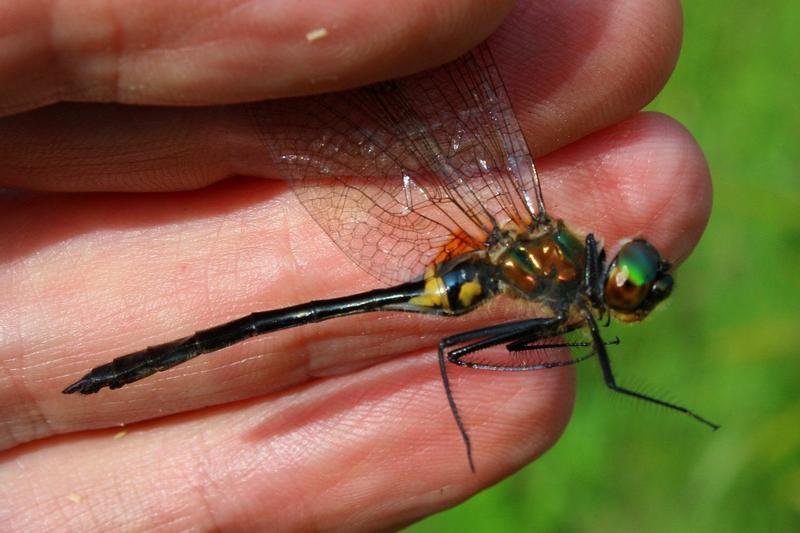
(340, 425)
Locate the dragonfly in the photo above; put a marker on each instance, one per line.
(428, 184)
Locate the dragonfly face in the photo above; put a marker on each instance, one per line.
(636, 281)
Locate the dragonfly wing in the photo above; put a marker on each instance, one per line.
(405, 173)
(473, 139)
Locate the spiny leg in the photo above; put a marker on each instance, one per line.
(611, 383)
(592, 272)
(491, 336)
(522, 336)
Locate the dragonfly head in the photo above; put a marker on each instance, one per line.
(636, 281)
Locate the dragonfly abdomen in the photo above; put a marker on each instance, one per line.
(138, 365)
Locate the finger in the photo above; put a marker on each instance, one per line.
(163, 265)
(622, 193)
(567, 76)
(340, 452)
(574, 69)
(223, 52)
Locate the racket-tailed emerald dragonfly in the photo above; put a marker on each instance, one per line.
(427, 183)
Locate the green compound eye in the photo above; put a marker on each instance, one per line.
(636, 281)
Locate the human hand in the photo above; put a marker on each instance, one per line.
(91, 276)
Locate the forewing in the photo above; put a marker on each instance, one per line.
(409, 172)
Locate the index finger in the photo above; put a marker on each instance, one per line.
(212, 52)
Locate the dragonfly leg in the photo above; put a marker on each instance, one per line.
(592, 273)
(611, 382)
(520, 336)
(522, 346)
(489, 336)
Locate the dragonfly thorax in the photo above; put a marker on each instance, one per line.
(546, 265)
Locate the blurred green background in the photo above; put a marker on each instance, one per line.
(728, 342)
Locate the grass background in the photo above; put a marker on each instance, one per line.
(728, 342)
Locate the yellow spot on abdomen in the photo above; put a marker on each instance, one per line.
(435, 294)
(468, 292)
